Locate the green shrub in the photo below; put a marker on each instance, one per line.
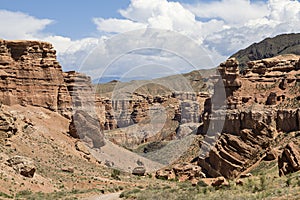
(24, 193)
(202, 184)
(263, 183)
(129, 193)
(5, 195)
(115, 174)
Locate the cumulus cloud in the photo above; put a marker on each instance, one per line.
(223, 26)
(20, 25)
(282, 16)
(233, 12)
(144, 48)
(159, 14)
(117, 25)
(219, 27)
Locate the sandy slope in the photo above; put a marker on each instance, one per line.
(123, 159)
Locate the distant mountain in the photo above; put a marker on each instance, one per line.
(105, 80)
(193, 81)
(269, 47)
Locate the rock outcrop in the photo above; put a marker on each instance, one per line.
(139, 171)
(81, 91)
(8, 126)
(261, 104)
(30, 74)
(289, 160)
(139, 117)
(182, 172)
(85, 127)
(22, 165)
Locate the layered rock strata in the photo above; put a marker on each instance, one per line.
(289, 160)
(261, 104)
(30, 74)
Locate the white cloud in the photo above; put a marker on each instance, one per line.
(222, 26)
(146, 47)
(117, 25)
(231, 11)
(284, 10)
(160, 14)
(282, 16)
(17, 25)
(21, 26)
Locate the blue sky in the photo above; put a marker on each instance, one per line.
(75, 28)
(71, 18)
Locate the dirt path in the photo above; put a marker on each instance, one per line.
(111, 196)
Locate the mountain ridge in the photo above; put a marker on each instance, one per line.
(269, 47)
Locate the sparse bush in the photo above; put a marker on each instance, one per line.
(24, 193)
(140, 187)
(250, 184)
(288, 180)
(5, 195)
(202, 184)
(127, 194)
(298, 181)
(115, 174)
(263, 183)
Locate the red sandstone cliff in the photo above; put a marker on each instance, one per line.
(30, 74)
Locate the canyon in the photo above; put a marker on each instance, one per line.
(226, 122)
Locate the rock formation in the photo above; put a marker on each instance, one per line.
(85, 127)
(7, 126)
(258, 106)
(81, 91)
(22, 165)
(268, 48)
(289, 160)
(177, 115)
(258, 109)
(182, 171)
(30, 74)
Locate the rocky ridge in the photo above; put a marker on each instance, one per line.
(268, 48)
(260, 107)
(259, 110)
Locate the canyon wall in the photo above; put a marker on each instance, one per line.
(30, 74)
(262, 105)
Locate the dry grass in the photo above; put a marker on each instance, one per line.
(265, 184)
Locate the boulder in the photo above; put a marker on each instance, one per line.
(271, 155)
(84, 126)
(165, 174)
(139, 171)
(8, 125)
(22, 165)
(182, 171)
(186, 129)
(82, 148)
(220, 182)
(289, 160)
